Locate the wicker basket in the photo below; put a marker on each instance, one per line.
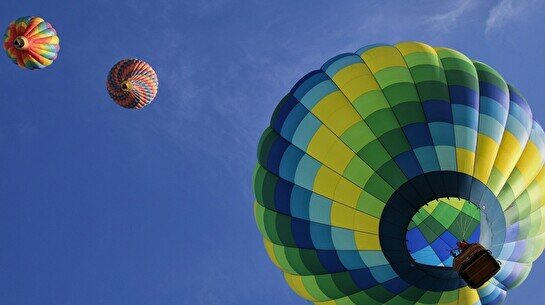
(476, 265)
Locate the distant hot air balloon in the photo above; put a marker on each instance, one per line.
(31, 43)
(132, 83)
(377, 165)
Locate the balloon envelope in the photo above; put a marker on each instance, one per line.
(374, 166)
(31, 43)
(132, 83)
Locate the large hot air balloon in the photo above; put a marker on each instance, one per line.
(375, 166)
(31, 43)
(132, 83)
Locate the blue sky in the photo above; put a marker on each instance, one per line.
(101, 205)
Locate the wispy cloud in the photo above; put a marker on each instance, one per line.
(506, 11)
(442, 22)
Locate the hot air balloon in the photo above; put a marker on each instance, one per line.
(374, 167)
(31, 43)
(132, 83)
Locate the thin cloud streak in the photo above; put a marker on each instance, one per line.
(444, 22)
(506, 11)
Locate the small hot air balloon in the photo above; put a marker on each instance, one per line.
(132, 83)
(31, 42)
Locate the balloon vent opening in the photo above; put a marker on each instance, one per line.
(434, 231)
(126, 86)
(20, 43)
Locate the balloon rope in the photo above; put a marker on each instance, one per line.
(467, 224)
(459, 223)
(474, 213)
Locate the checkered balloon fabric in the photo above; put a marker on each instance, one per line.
(31, 43)
(132, 83)
(375, 165)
